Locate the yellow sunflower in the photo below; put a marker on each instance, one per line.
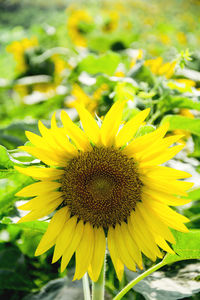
(18, 49)
(157, 67)
(77, 25)
(103, 183)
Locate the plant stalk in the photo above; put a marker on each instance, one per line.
(86, 287)
(138, 279)
(98, 287)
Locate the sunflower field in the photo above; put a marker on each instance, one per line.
(99, 150)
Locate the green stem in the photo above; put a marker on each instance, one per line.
(86, 287)
(98, 287)
(154, 117)
(138, 279)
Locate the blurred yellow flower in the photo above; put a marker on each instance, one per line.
(138, 56)
(119, 74)
(157, 67)
(181, 37)
(89, 102)
(187, 82)
(165, 39)
(18, 49)
(182, 85)
(75, 26)
(111, 21)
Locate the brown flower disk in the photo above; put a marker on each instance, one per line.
(101, 186)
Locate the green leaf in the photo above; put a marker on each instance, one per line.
(196, 152)
(5, 161)
(106, 63)
(182, 102)
(145, 129)
(4, 173)
(187, 247)
(38, 227)
(9, 188)
(12, 269)
(124, 91)
(184, 123)
(194, 194)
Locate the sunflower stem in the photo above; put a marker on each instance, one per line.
(98, 287)
(86, 287)
(138, 279)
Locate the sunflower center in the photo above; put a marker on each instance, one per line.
(101, 186)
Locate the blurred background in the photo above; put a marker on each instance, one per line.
(56, 53)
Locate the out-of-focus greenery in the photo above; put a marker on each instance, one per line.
(54, 54)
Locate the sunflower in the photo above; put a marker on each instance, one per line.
(79, 24)
(157, 67)
(104, 183)
(18, 49)
(89, 102)
(111, 21)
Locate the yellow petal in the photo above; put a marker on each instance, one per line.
(90, 126)
(162, 244)
(140, 240)
(141, 143)
(118, 265)
(111, 123)
(138, 221)
(64, 239)
(38, 188)
(161, 171)
(36, 140)
(41, 173)
(98, 254)
(40, 201)
(122, 250)
(73, 245)
(166, 186)
(155, 224)
(62, 139)
(130, 128)
(75, 133)
(84, 252)
(165, 198)
(131, 246)
(55, 226)
(48, 137)
(37, 214)
(47, 157)
(167, 215)
(159, 148)
(167, 155)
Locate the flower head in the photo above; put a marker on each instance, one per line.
(78, 25)
(18, 49)
(159, 68)
(104, 182)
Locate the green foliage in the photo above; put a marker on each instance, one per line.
(105, 64)
(184, 123)
(187, 247)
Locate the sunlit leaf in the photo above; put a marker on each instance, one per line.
(184, 123)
